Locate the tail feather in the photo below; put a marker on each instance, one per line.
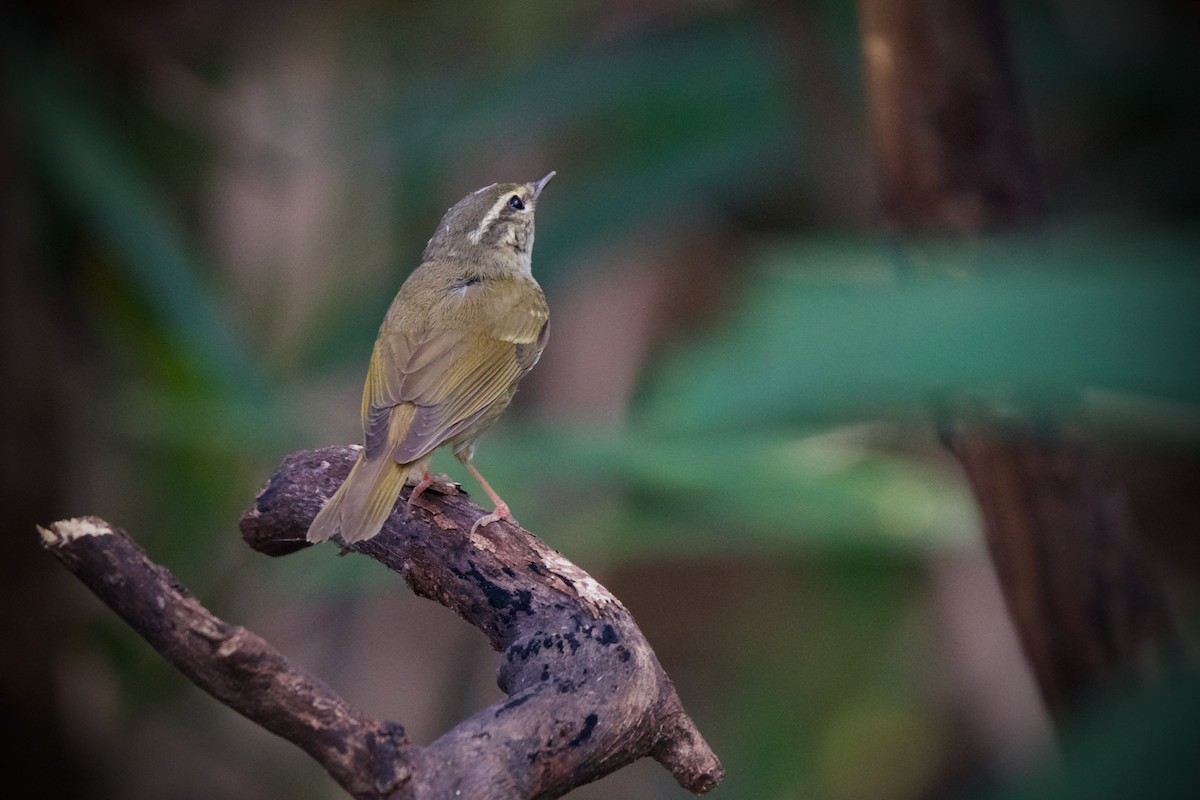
(362, 504)
(369, 500)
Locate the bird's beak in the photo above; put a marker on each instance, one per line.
(538, 185)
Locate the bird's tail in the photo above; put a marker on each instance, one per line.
(362, 504)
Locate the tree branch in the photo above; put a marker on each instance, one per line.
(232, 664)
(586, 694)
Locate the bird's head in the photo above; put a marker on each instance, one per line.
(496, 218)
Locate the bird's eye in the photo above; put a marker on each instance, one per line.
(515, 203)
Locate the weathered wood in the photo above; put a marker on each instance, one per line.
(585, 692)
(368, 758)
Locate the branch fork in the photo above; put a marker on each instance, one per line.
(585, 692)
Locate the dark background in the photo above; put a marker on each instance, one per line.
(207, 207)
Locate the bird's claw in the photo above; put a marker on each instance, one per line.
(501, 513)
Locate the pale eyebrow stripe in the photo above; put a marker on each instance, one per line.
(489, 218)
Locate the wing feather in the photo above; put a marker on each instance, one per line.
(450, 376)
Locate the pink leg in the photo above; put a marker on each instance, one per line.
(501, 512)
(423, 484)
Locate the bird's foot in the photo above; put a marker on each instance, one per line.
(501, 513)
(423, 484)
(437, 482)
(442, 483)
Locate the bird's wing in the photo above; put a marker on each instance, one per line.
(451, 377)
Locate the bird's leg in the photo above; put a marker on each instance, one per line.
(501, 511)
(423, 484)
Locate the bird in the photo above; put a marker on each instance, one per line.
(465, 327)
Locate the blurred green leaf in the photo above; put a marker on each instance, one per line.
(647, 132)
(1040, 329)
(641, 494)
(660, 124)
(93, 170)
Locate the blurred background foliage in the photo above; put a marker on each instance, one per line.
(208, 207)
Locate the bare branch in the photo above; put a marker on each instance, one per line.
(586, 695)
(367, 757)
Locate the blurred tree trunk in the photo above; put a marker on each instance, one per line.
(955, 157)
(40, 757)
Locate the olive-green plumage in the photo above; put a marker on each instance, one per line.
(463, 329)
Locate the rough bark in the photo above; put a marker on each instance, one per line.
(955, 157)
(585, 692)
